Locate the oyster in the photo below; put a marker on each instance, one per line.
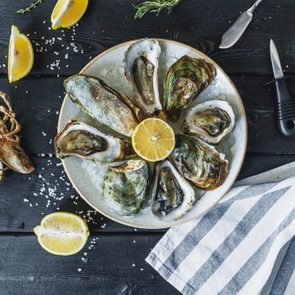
(199, 162)
(173, 196)
(141, 69)
(125, 186)
(210, 121)
(86, 142)
(101, 102)
(184, 81)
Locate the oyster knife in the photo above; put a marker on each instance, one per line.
(285, 104)
(235, 32)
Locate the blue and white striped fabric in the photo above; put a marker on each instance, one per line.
(244, 245)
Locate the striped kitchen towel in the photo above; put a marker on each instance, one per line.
(244, 245)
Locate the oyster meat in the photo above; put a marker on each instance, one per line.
(173, 196)
(210, 121)
(141, 69)
(199, 162)
(184, 81)
(101, 102)
(125, 186)
(86, 142)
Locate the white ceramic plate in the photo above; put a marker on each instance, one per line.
(86, 177)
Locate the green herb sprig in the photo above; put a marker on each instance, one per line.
(30, 7)
(155, 6)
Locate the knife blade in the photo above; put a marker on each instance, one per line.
(284, 103)
(275, 61)
(235, 32)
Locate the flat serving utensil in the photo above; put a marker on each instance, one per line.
(285, 104)
(234, 33)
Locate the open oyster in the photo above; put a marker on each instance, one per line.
(210, 121)
(125, 186)
(184, 81)
(101, 102)
(173, 196)
(199, 162)
(141, 69)
(86, 142)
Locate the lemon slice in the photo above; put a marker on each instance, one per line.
(62, 233)
(153, 140)
(66, 13)
(20, 55)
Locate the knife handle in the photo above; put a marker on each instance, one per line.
(285, 109)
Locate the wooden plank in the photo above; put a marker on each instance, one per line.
(115, 266)
(37, 103)
(108, 23)
(25, 199)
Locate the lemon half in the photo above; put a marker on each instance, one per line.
(62, 233)
(20, 55)
(153, 140)
(66, 13)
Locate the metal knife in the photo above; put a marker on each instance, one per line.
(285, 104)
(234, 33)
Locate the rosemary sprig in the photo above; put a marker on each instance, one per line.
(30, 7)
(155, 6)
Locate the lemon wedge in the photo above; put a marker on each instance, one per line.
(66, 13)
(62, 233)
(20, 55)
(153, 139)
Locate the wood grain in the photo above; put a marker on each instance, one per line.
(24, 267)
(22, 205)
(197, 23)
(114, 266)
(37, 102)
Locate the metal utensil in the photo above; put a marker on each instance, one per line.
(234, 33)
(285, 104)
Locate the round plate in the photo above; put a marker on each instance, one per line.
(86, 177)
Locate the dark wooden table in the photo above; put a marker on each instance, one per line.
(113, 262)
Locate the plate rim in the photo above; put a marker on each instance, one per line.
(180, 221)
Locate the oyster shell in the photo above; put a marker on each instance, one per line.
(141, 69)
(101, 102)
(210, 121)
(199, 162)
(184, 81)
(86, 142)
(125, 186)
(173, 196)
